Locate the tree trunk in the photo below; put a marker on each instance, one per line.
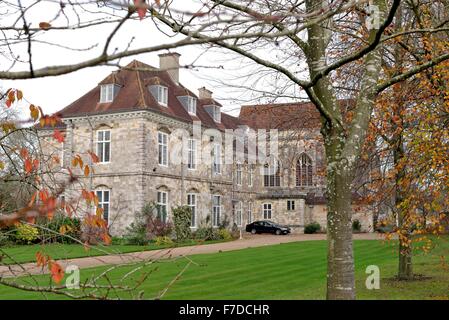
(340, 259)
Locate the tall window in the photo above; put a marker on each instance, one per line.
(250, 212)
(238, 174)
(191, 202)
(162, 95)
(162, 201)
(250, 175)
(290, 205)
(162, 139)
(191, 105)
(191, 156)
(272, 177)
(106, 93)
(238, 213)
(216, 210)
(267, 211)
(217, 158)
(304, 171)
(104, 202)
(104, 145)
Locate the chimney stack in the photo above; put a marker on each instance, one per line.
(170, 63)
(204, 93)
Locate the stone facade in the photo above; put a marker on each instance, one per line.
(133, 175)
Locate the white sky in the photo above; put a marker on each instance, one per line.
(54, 93)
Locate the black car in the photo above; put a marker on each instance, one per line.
(266, 227)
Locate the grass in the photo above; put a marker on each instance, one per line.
(27, 253)
(285, 271)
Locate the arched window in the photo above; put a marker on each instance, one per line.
(304, 171)
(272, 176)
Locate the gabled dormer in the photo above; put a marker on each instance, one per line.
(209, 104)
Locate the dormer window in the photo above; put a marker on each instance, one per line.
(108, 92)
(191, 105)
(217, 114)
(214, 111)
(160, 93)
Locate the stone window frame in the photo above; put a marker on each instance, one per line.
(250, 212)
(160, 204)
(238, 174)
(304, 171)
(217, 166)
(239, 214)
(103, 143)
(162, 160)
(102, 203)
(250, 175)
(192, 154)
(193, 207)
(291, 205)
(266, 210)
(216, 208)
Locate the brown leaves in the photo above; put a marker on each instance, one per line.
(44, 25)
(58, 136)
(56, 271)
(13, 95)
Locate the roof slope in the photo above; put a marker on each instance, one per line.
(133, 95)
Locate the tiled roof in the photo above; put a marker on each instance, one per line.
(134, 95)
(282, 116)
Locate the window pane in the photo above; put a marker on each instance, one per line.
(107, 151)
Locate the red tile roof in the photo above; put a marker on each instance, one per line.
(282, 116)
(134, 95)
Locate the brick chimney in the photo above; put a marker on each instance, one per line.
(170, 63)
(204, 93)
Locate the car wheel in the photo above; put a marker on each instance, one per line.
(278, 232)
(253, 231)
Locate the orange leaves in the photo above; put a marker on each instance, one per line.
(56, 271)
(77, 161)
(90, 197)
(58, 136)
(94, 157)
(29, 163)
(34, 112)
(13, 95)
(44, 25)
(86, 171)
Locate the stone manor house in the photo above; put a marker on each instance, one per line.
(129, 120)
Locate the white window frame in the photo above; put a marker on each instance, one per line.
(239, 213)
(162, 202)
(291, 205)
(216, 210)
(217, 114)
(192, 154)
(238, 174)
(106, 93)
(102, 203)
(193, 203)
(216, 160)
(267, 211)
(162, 148)
(250, 212)
(162, 95)
(191, 105)
(101, 144)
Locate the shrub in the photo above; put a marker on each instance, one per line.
(313, 227)
(182, 216)
(205, 232)
(147, 226)
(224, 234)
(26, 233)
(163, 241)
(61, 229)
(356, 226)
(94, 230)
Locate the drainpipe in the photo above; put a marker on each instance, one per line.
(182, 174)
(91, 149)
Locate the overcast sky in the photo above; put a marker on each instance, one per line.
(54, 93)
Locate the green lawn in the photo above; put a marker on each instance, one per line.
(285, 271)
(27, 253)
